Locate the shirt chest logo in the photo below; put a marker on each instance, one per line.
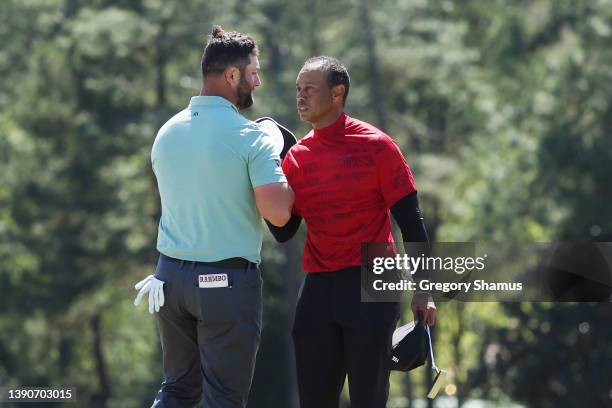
(355, 161)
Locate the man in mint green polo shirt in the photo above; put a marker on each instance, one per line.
(218, 173)
(207, 160)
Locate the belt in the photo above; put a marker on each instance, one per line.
(232, 263)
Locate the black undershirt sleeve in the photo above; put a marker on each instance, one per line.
(287, 231)
(409, 219)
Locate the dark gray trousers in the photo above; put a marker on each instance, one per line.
(209, 336)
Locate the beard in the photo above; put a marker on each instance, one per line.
(244, 94)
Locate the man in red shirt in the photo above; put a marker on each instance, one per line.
(347, 176)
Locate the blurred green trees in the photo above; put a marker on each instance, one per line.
(503, 110)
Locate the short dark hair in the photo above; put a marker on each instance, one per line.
(336, 72)
(226, 48)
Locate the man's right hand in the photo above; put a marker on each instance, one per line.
(155, 288)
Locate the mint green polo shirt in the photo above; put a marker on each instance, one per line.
(207, 159)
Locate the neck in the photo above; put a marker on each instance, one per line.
(212, 88)
(327, 120)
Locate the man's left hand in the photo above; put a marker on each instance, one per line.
(155, 288)
(423, 301)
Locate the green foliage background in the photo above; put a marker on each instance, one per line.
(503, 109)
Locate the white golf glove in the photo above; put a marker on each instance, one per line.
(155, 288)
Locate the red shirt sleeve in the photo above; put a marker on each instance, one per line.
(288, 164)
(290, 168)
(395, 178)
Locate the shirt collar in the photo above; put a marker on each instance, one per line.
(335, 129)
(211, 101)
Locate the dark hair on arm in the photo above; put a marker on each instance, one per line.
(227, 48)
(336, 72)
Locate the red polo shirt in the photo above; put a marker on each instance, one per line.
(345, 178)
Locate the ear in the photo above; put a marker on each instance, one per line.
(232, 75)
(338, 91)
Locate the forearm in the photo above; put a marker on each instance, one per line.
(410, 220)
(287, 231)
(274, 202)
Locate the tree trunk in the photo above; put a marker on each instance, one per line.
(101, 398)
(65, 355)
(273, 13)
(291, 271)
(373, 71)
(460, 314)
(160, 64)
(408, 389)
(313, 28)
